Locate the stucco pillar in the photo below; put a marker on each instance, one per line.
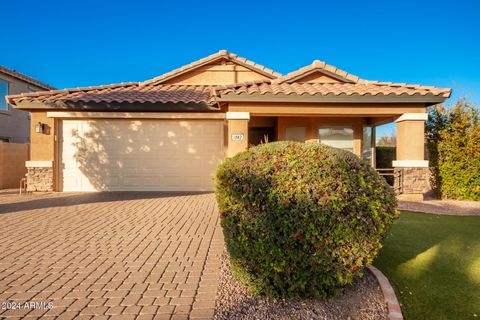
(411, 168)
(41, 169)
(237, 132)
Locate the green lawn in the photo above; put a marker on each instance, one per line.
(433, 262)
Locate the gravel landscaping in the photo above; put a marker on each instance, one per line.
(362, 300)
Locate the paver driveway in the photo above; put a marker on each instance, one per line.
(117, 255)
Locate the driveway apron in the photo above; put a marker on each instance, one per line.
(109, 255)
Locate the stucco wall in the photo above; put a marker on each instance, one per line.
(317, 77)
(14, 123)
(217, 74)
(42, 144)
(238, 128)
(265, 108)
(410, 141)
(312, 125)
(12, 164)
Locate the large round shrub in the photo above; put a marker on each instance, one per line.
(301, 219)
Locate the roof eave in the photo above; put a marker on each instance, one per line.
(28, 80)
(427, 99)
(117, 106)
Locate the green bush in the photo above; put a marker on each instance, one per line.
(453, 142)
(301, 219)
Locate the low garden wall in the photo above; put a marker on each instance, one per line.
(12, 163)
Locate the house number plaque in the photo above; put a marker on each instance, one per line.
(237, 137)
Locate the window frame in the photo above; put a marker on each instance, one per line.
(338, 125)
(7, 106)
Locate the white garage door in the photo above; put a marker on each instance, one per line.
(140, 155)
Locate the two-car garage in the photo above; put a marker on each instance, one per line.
(139, 154)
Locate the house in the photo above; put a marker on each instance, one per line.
(15, 123)
(169, 133)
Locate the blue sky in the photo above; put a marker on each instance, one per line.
(82, 43)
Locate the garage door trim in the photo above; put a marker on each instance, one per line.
(61, 159)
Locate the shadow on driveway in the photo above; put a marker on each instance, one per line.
(12, 202)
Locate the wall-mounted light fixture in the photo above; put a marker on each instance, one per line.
(39, 127)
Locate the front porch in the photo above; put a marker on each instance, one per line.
(354, 132)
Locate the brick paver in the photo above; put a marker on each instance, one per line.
(117, 255)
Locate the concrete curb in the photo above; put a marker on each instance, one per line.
(394, 311)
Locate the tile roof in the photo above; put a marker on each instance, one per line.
(139, 93)
(25, 78)
(153, 91)
(133, 92)
(320, 66)
(222, 54)
(373, 88)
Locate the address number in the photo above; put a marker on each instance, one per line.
(237, 137)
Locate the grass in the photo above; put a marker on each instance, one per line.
(433, 262)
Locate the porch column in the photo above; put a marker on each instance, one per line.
(237, 132)
(411, 168)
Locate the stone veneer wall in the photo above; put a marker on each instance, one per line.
(412, 180)
(39, 179)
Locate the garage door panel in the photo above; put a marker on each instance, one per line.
(123, 155)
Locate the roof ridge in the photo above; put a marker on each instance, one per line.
(24, 77)
(324, 67)
(215, 56)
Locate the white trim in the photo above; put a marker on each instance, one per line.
(413, 117)
(238, 115)
(136, 115)
(38, 164)
(410, 163)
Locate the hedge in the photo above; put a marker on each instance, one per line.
(453, 142)
(301, 219)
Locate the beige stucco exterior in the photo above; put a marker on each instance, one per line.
(267, 113)
(12, 158)
(410, 142)
(14, 123)
(217, 74)
(42, 144)
(237, 136)
(312, 125)
(325, 109)
(409, 133)
(317, 77)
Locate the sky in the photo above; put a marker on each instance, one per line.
(83, 43)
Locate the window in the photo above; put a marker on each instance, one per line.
(296, 134)
(367, 144)
(336, 136)
(3, 93)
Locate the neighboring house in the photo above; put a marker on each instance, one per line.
(15, 123)
(169, 133)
